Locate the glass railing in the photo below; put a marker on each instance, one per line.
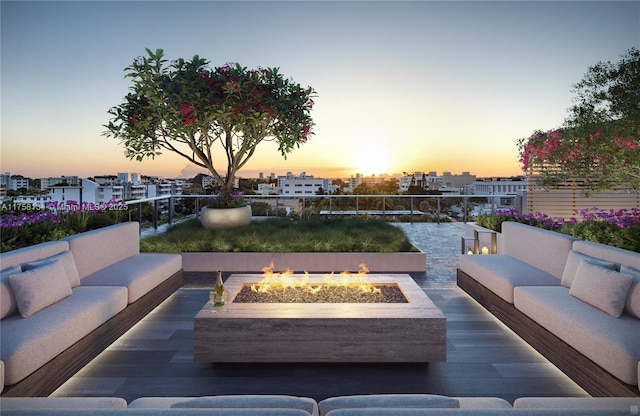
(153, 212)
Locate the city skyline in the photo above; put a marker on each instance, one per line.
(402, 86)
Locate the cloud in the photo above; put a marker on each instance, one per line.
(189, 171)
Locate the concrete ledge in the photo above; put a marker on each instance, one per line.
(310, 262)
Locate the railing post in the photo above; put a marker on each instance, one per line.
(384, 208)
(438, 213)
(140, 214)
(411, 205)
(155, 214)
(464, 208)
(171, 202)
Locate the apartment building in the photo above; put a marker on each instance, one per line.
(302, 184)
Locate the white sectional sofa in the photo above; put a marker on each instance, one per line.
(65, 301)
(360, 405)
(577, 302)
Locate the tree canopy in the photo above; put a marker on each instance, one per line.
(599, 142)
(190, 109)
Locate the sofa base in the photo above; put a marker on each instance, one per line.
(587, 374)
(56, 372)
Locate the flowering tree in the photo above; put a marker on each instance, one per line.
(190, 109)
(600, 141)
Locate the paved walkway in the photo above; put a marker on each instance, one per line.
(441, 243)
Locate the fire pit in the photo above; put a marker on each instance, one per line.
(409, 331)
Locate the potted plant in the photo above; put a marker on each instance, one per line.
(227, 209)
(213, 117)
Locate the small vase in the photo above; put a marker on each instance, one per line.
(220, 218)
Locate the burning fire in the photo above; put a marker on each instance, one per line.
(286, 279)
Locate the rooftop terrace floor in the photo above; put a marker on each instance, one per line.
(484, 358)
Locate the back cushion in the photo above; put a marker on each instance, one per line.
(97, 249)
(544, 249)
(8, 305)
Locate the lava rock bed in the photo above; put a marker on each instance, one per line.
(325, 294)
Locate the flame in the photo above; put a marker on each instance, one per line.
(287, 279)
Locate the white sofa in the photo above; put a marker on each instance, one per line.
(63, 302)
(577, 302)
(359, 405)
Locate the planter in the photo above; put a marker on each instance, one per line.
(299, 262)
(220, 218)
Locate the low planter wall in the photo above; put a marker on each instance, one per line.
(310, 262)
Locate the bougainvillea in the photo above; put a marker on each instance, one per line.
(190, 109)
(598, 146)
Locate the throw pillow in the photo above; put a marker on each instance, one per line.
(571, 267)
(68, 262)
(632, 306)
(38, 288)
(600, 287)
(8, 305)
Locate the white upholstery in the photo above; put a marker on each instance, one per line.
(574, 260)
(25, 348)
(157, 412)
(33, 253)
(68, 262)
(613, 343)
(8, 403)
(500, 273)
(40, 287)
(230, 401)
(544, 249)
(609, 253)
(621, 403)
(601, 287)
(139, 273)
(632, 306)
(97, 249)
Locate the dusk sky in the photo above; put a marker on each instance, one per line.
(402, 86)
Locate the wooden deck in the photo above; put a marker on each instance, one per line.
(155, 358)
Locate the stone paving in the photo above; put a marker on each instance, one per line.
(441, 243)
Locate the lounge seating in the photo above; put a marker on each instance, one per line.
(383, 404)
(63, 302)
(576, 302)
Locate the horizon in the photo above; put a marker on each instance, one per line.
(402, 86)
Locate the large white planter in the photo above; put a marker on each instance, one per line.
(220, 218)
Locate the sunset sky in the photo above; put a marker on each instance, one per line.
(402, 86)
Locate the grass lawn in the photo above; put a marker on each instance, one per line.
(282, 235)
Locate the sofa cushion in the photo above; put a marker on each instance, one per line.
(500, 273)
(603, 288)
(609, 403)
(8, 305)
(544, 249)
(68, 262)
(38, 288)
(632, 305)
(139, 274)
(612, 343)
(608, 253)
(32, 253)
(97, 249)
(7, 403)
(574, 260)
(230, 401)
(387, 401)
(27, 344)
(160, 412)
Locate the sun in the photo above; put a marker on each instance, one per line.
(372, 160)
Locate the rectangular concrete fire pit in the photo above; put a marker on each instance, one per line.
(321, 332)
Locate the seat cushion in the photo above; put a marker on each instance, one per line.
(612, 343)
(7, 403)
(29, 343)
(501, 273)
(387, 401)
(139, 274)
(248, 401)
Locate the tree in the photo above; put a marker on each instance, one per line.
(599, 143)
(190, 109)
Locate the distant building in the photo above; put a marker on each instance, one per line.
(506, 190)
(302, 184)
(46, 183)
